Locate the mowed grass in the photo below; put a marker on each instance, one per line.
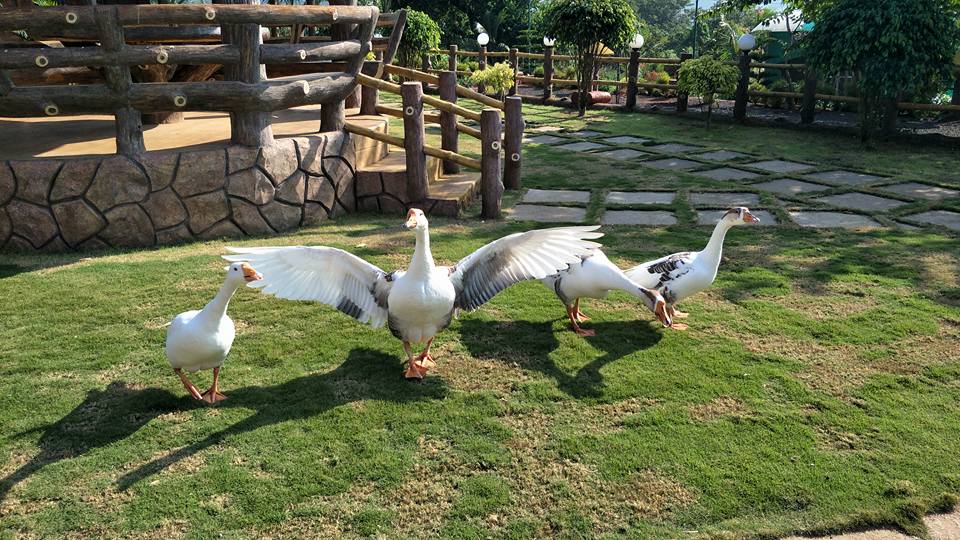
(816, 390)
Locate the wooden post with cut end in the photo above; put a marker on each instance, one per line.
(411, 94)
(547, 72)
(482, 65)
(452, 59)
(808, 108)
(247, 127)
(514, 65)
(491, 184)
(633, 71)
(369, 95)
(128, 121)
(448, 121)
(682, 97)
(512, 140)
(740, 98)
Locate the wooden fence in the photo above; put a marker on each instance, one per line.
(809, 97)
(246, 92)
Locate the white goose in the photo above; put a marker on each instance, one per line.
(202, 339)
(684, 274)
(594, 277)
(420, 302)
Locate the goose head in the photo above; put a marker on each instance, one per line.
(738, 216)
(657, 305)
(416, 220)
(240, 272)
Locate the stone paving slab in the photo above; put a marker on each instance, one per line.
(946, 218)
(921, 191)
(556, 196)
(861, 201)
(673, 164)
(622, 154)
(780, 166)
(940, 527)
(724, 199)
(726, 173)
(722, 155)
(711, 217)
(640, 197)
(582, 146)
(547, 214)
(789, 186)
(584, 133)
(638, 217)
(822, 220)
(625, 139)
(544, 139)
(545, 129)
(671, 148)
(847, 178)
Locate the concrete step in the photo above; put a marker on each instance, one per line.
(452, 193)
(370, 151)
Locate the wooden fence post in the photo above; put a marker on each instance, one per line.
(411, 94)
(332, 115)
(512, 140)
(491, 185)
(808, 108)
(743, 86)
(426, 63)
(682, 96)
(633, 71)
(369, 95)
(127, 119)
(449, 139)
(452, 59)
(482, 65)
(249, 128)
(514, 64)
(547, 72)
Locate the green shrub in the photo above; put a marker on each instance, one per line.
(538, 71)
(756, 86)
(497, 78)
(706, 77)
(419, 36)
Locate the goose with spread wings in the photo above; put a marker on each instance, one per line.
(417, 303)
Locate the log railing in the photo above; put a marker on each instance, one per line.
(246, 92)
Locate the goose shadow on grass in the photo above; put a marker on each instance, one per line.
(530, 345)
(365, 374)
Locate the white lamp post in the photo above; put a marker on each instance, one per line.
(483, 39)
(637, 41)
(747, 42)
(548, 41)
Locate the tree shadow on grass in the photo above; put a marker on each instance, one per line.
(366, 374)
(530, 344)
(103, 418)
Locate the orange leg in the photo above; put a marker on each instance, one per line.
(571, 312)
(187, 384)
(425, 361)
(674, 315)
(413, 372)
(213, 395)
(677, 314)
(581, 316)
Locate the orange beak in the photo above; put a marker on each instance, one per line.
(411, 222)
(750, 218)
(249, 273)
(661, 311)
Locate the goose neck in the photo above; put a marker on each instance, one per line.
(422, 257)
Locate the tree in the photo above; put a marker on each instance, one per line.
(706, 77)
(581, 25)
(497, 79)
(895, 48)
(420, 35)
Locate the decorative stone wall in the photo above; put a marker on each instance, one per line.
(175, 196)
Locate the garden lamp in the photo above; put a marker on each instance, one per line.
(483, 39)
(637, 41)
(747, 42)
(548, 41)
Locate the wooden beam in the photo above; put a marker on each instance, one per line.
(491, 185)
(129, 55)
(128, 121)
(312, 52)
(512, 139)
(411, 94)
(248, 126)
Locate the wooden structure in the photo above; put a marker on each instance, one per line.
(246, 92)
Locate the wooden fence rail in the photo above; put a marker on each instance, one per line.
(246, 93)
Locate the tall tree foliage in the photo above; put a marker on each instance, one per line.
(581, 25)
(420, 35)
(895, 47)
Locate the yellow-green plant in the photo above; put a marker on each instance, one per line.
(497, 78)
(706, 77)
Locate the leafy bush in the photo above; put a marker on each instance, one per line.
(756, 86)
(419, 36)
(706, 77)
(538, 71)
(581, 24)
(497, 78)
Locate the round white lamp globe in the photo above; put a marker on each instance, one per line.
(483, 39)
(637, 41)
(548, 41)
(747, 42)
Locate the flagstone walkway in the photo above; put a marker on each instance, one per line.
(779, 191)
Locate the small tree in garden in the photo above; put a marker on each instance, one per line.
(706, 77)
(419, 36)
(498, 78)
(895, 47)
(581, 24)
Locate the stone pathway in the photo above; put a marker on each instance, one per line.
(794, 186)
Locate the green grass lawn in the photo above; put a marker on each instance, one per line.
(817, 388)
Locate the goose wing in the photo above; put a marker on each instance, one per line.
(321, 274)
(656, 273)
(518, 257)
